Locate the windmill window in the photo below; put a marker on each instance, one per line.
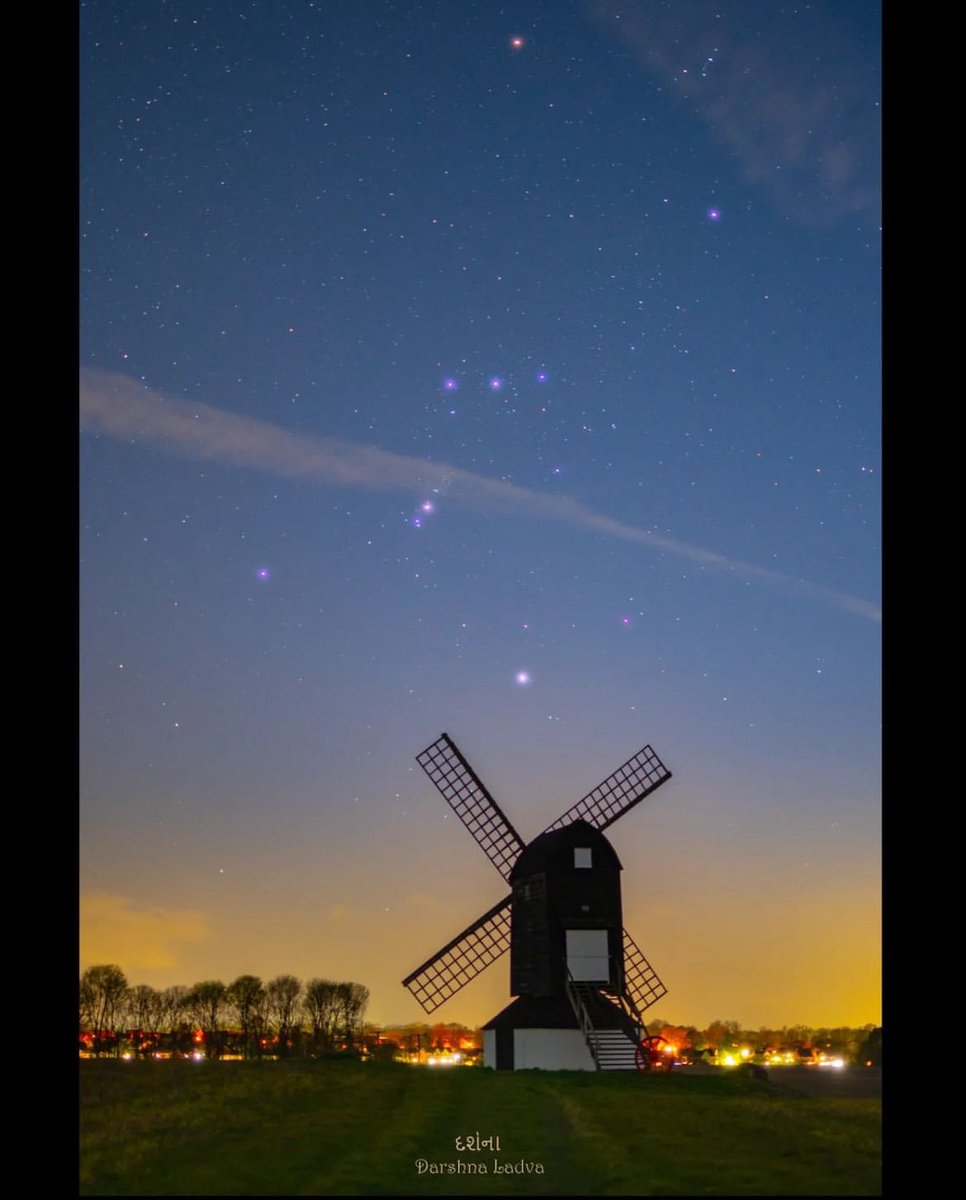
(582, 856)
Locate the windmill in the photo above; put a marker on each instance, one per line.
(580, 979)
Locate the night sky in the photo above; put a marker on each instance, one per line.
(510, 370)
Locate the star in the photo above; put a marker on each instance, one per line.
(517, 42)
(714, 214)
(262, 573)
(523, 678)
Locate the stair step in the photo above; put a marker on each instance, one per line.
(614, 1050)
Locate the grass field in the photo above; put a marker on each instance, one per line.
(345, 1128)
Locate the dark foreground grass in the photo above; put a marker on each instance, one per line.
(345, 1128)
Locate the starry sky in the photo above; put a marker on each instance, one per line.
(504, 369)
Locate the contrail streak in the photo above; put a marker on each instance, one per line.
(120, 407)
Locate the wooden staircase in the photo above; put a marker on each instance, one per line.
(611, 1049)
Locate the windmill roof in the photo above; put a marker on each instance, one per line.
(547, 846)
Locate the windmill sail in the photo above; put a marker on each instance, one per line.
(628, 785)
(462, 959)
(463, 791)
(641, 981)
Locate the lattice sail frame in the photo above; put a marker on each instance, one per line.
(627, 786)
(482, 943)
(641, 981)
(462, 959)
(464, 792)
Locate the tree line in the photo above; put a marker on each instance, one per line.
(856, 1045)
(285, 1017)
(246, 1017)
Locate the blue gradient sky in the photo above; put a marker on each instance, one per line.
(609, 302)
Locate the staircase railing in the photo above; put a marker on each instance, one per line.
(583, 1017)
(631, 1010)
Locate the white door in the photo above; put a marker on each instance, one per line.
(587, 955)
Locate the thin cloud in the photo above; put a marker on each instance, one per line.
(144, 939)
(120, 407)
(806, 133)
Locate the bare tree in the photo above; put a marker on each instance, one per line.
(88, 1003)
(246, 1000)
(157, 1017)
(143, 1010)
(175, 1000)
(352, 1001)
(103, 990)
(282, 995)
(174, 1016)
(321, 1005)
(205, 1003)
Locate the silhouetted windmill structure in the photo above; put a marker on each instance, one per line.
(580, 979)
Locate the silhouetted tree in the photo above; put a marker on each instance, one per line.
(87, 1006)
(175, 1000)
(102, 993)
(205, 1003)
(352, 1001)
(870, 1048)
(143, 1012)
(175, 1004)
(282, 996)
(246, 999)
(722, 1033)
(321, 1005)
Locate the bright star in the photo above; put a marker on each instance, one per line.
(523, 678)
